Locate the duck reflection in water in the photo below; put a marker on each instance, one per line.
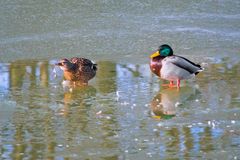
(164, 104)
(76, 98)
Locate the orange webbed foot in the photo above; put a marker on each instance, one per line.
(171, 85)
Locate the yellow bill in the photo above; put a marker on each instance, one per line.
(155, 54)
(157, 117)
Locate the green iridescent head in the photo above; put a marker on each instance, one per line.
(165, 50)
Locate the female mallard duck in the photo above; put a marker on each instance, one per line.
(172, 67)
(78, 69)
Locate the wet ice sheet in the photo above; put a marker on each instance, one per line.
(124, 113)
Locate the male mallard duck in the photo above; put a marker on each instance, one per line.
(172, 67)
(78, 69)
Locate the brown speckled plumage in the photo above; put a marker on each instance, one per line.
(78, 69)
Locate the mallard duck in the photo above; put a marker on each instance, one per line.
(171, 67)
(78, 69)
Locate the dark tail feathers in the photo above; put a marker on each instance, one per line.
(94, 67)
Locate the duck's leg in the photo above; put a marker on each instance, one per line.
(178, 83)
(171, 84)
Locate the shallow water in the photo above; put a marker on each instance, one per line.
(124, 113)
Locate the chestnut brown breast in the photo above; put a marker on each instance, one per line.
(156, 65)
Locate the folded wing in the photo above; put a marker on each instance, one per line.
(184, 63)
